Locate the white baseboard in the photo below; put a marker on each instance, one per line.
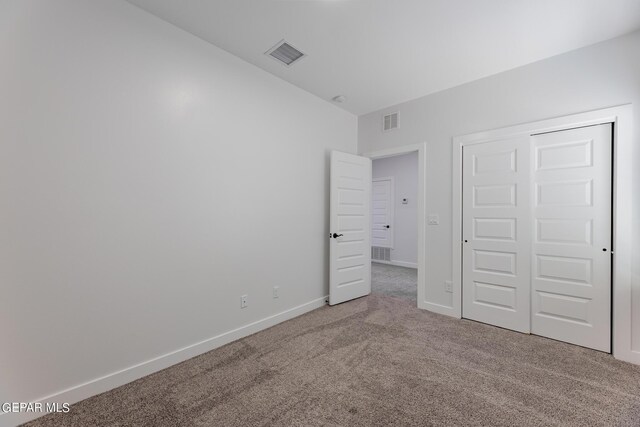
(630, 356)
(438, 308)
(132, 373)
(398, 263)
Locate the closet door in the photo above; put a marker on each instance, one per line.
(571, 262)
(496, 233)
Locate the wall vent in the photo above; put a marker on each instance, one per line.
(380, 254)
(285, 53)
(390, 122)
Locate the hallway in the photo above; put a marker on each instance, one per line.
(394, 281)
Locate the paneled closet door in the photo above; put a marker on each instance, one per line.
(496, 233)
(571, 262)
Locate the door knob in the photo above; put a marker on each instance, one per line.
(336, 235)
(387, 226)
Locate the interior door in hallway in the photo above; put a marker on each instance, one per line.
(496, 233)
(382, 212)
(350, 227)
(571, 261)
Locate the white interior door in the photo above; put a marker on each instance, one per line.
(571, 260)
(496, 230)
(382, 212)
(350, 227)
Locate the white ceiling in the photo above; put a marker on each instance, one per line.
(381, 52)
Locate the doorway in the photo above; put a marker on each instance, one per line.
(350, 232)
(398, 252)
(394, 226)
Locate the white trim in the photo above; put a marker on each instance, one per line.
(439, 308)
(392, 208)
(422, 220)
(396, 151)
(621, 117)
(132, 373)
(622, 246)
(397, 263)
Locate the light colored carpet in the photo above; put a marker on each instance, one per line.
(394, 281)
(377, 361)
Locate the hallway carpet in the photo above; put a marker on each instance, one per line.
(394, 281)
(376, 361)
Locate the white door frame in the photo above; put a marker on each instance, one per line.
(621, 117)
(421, 149)
(391, 210)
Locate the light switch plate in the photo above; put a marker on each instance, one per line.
(448, 286)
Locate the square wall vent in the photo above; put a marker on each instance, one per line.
(379, 253)
(285, 53)
(390, 122)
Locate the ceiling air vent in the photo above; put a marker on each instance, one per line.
(390, 121)
(285, 53)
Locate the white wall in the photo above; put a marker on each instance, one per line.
(599, 76)
(404, 170)
(148, 179)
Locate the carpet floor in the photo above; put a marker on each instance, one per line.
(394, 281)
(376, 361)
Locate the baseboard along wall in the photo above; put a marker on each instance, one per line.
(398, 263)
(132, 373)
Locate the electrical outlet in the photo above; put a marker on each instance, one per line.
(243, 301)
(276, 291)
(448, 286)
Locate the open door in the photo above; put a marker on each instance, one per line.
(350, 227)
